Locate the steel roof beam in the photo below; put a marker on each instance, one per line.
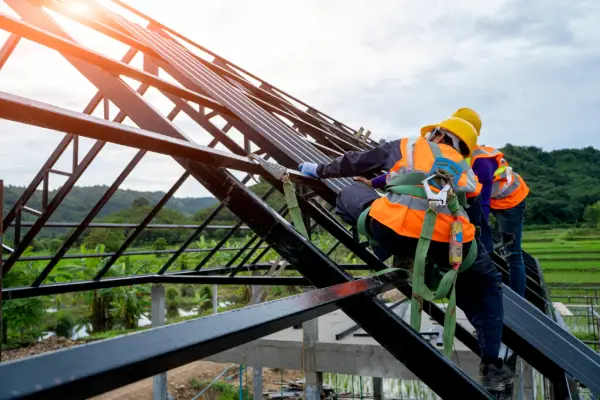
(91, 369)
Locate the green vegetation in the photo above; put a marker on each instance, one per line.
(563, 231)
(566, 255)
(560, 188)
(113, 311)
(221, 390)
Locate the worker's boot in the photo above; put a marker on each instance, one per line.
(495, 376)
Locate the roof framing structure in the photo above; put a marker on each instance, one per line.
(243, 115)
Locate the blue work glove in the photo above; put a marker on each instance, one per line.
(308, 168)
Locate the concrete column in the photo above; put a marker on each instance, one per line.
(215, 300)
(377, 388)
(527, 380)
(158, 319)
(313, 380)
(257, 383)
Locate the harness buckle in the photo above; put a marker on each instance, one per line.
(436, 199)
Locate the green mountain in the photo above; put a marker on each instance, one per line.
(81, 199)
(562, 183)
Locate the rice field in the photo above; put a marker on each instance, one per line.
(566, 255)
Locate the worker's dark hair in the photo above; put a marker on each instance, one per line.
(463, 148)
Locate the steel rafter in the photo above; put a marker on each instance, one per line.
(267, 98)
(127, 359)
(40, 17)
(1, 262)
(204, 276)
(310, 110)
(20, 109)
(115, 225)
(384, 326)
(22, 292)
(127, 253)
(260, 123)
(258, 112)
(135, 233)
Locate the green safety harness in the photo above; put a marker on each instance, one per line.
(438, 286)
(289, 192)
(407, 184)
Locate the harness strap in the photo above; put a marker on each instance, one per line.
(292, 203)
(408, 185)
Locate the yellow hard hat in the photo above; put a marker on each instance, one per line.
(461, 128)
(469, 115)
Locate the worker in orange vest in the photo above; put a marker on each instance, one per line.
(507, 192)
(395, 223)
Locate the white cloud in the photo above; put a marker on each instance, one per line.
(531, 69)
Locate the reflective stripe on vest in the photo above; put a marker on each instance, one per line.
(407, 149)
(484, 152)
(405, 214)
(508, 189)
(467, 183)
(415, 203)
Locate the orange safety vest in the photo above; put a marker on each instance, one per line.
(485, 152)
(508, 189)
(404, 214)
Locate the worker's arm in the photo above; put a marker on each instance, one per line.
(357, 163)
(484, 168)
(378, 182)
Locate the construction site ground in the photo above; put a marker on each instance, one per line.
(179, 379)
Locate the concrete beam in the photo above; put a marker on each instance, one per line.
(340, 358)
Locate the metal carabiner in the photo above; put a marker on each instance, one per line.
(438, 199)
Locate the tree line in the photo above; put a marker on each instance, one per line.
(563, 184)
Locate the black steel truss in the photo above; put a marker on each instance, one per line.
(126, 359)
(271, 120)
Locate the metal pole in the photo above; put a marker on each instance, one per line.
(313, 380)
(241, 382)
(215, 299)
(158, 319)
(377, 388)
(257, 383)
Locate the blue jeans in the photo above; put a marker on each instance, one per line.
(510, 223)
(478, 289)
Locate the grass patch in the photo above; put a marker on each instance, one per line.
(561, 246)
(220, 390)
(571, 276)
(570, 264)
(573, 259)
(557, 253)
(114, 333)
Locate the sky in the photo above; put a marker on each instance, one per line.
(531, 69)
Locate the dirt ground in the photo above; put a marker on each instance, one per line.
(178, 379)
